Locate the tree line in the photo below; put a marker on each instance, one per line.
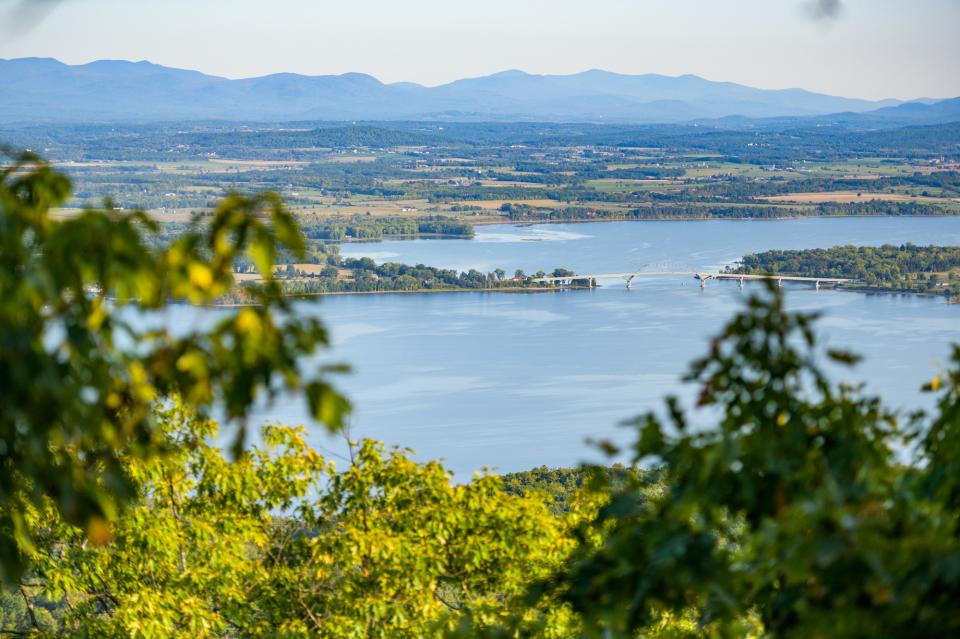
(522, 212)
(363, 275)
(907, 267)
(368, 227)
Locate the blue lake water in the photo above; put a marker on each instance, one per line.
(516, 380)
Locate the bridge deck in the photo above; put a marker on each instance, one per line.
(786, 278)
(699, 276)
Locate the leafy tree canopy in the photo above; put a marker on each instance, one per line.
(809, 510)
(80, 371)
(280, 543)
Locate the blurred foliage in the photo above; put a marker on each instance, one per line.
(80, 366)
(810, 509)
(280, 544)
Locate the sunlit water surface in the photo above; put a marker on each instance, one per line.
(517, 380)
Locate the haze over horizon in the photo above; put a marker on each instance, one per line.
(498, 72)
(871, 49)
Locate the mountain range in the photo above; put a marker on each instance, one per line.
(46, 90)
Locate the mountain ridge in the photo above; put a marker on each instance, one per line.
(45, 89)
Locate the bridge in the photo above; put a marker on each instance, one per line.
(703, 277)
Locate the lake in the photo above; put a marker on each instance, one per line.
(517, 380)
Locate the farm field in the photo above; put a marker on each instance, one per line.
(478, 174)
(851, 196)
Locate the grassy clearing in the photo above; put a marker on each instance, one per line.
(613, 185)
(492, 205)
(504, 184)
(259, 163)
(733, 169)
(163, 216)
(846, 197)
(351, 159)
(376, 208)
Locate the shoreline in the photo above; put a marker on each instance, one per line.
(488, 221)
(865, 290)
(703, 218)
(869, 290)
(497, 289)
(493, 221)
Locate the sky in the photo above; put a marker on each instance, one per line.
(855, 48)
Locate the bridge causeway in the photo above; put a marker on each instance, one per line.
(703, 277)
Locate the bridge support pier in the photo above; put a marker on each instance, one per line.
(590, 281)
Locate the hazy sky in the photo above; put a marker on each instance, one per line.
(857, 48)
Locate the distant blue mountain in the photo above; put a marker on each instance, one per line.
(918, 112)
(46, 90)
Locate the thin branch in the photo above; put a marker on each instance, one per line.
(452, 606)
(175, 509)
(350, 444)
(32, 615)
(307, 609)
